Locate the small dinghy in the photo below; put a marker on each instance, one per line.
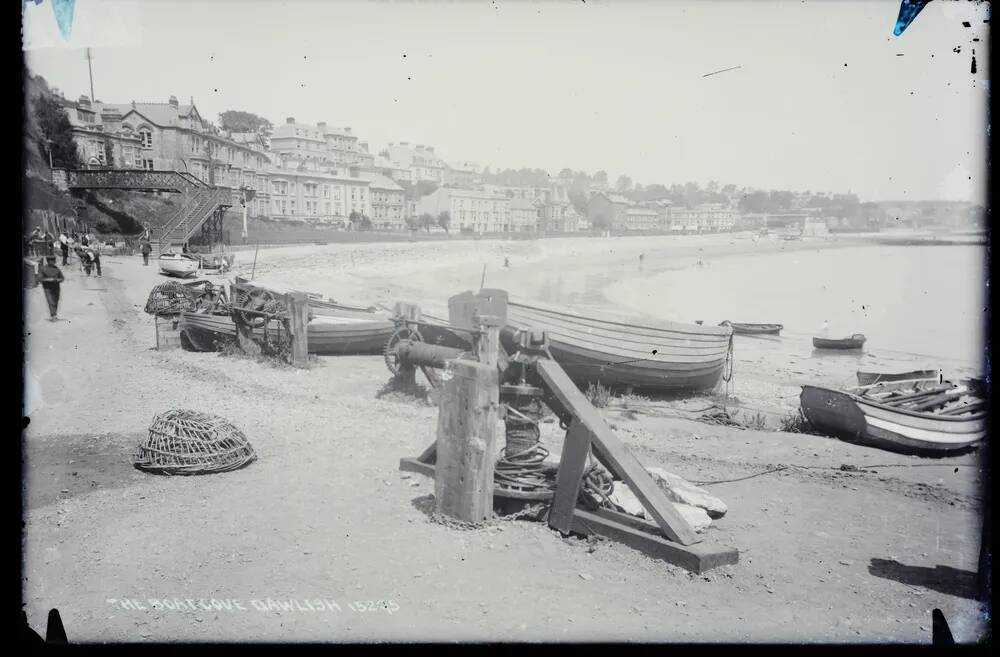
(921, 417)
(743, 328)
(870, 378)
(181, 265)
(856, 341)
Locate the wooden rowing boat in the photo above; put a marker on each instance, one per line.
(326, 334)
(320, 305)
(869, 378)
(912, 417)
(743, 328)
(626, 353)
(178, 264)
(856, 341)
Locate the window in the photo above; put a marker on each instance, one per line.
(146, 138)
(292, 206)
(147, 164)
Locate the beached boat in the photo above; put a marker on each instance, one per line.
(911, 417)
(652, 355)
(742, 328)
(326, 335)
(178, 264)
(320, 305)
(856, 341)
(870, 378)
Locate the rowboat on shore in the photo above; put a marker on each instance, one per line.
(320, 305)
(856, 341)
(325, 334)
(743, 328)
(870, 378)
(910, 417)
(658, 356)
(181, 265)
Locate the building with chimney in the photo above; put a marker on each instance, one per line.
(388, 202)
(421, 160)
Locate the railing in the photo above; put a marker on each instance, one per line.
(173, 181)
(196, 213)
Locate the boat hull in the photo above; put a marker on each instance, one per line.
(841, 344)
(668, 357)
(847, 416)
(756, 329)
(871, 378)
(180, 267)
(325, 337)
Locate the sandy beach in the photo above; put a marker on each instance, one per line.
(323, 539)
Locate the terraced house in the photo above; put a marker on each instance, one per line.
(305, 191)
(471, 210)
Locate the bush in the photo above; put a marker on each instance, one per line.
(796, 422)
(598, 395)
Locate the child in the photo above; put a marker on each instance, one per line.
(51, 277)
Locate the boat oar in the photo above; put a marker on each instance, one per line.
(966, 408)
(911, 397)
(937, 401)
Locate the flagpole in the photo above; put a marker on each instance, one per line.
(90, 69)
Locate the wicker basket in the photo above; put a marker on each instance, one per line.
(183, 442)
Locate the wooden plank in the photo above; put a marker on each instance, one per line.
(935, 401)
(298, 309)
(466, 442)
(413, 465)
(572, 462)
(695, 558)
(614, 454)
(429, 455)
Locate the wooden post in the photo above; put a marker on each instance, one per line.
(488, 341)
(466, 441)
(298, 310)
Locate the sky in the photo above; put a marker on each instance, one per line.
(825, 98)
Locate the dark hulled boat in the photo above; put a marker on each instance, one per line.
(856, 341)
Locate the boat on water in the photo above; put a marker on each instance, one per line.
(855, 341)
(181, 265)
(651, 355)
(326, 335)
(870, 378)
(743, 328)
(922, 417)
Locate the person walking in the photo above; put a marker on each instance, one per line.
(51, 277)
(96, 251)
(64, 247)
(146, 248)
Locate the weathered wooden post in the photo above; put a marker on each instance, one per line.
(244, 333)
(298, 311)
(466, 437)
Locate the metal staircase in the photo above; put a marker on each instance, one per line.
(203, 210)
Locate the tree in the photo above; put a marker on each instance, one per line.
(566, 174)
(240, 121)
(427, 220)
(57, 133)
(355, 219)
(624, 184)
(444, 220)
(601, 178)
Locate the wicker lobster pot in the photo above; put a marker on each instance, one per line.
(184, 442)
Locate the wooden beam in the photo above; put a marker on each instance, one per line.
(572, 462)
(413, 465)
(466, 442)
(618, 459)
(488, 340)
(298, 309)
(696, 558)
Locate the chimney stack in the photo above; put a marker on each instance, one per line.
(290, 120)
(321, 125)
(84, 100)
(173, 102)
(347, 129)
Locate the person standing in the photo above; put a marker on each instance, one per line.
(64, 247)
(51, 277)
(96, 251)
(146, 248)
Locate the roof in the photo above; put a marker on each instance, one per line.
(378, 181)
(521, 204)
